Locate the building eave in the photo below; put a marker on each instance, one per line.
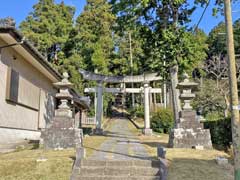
(17, 36)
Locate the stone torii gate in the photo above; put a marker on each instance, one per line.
(145, 79)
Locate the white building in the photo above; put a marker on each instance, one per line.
(27, 94)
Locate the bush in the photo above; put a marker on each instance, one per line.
(140, 111)
(137, 111)
(162, 120)
(214, 116)
(221, 133)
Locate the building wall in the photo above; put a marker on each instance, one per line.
(35, 89)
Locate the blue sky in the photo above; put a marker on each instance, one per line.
(19, 10)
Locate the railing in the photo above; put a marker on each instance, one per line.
(89, 121)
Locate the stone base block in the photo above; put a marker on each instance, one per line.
(54, 138)
(190, 138)
(61, 134)
(98, 131)
(147, 132)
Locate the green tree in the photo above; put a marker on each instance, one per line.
(49, 24)
(93, 39)
(165, 35)
(129, 40)
(71, 65)
(127, 51)
(217, 40)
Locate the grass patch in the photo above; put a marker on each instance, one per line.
(22, 165)
(191, 164)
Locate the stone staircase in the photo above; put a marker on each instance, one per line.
(117, 170)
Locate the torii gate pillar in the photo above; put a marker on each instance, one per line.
(147, 130)
(99, 110)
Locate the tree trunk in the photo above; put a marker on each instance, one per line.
(175, 93)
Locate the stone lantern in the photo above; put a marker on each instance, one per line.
(189, 132)
(186, 87)
(62, 132)
(64, 109)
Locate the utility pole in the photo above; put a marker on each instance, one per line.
(131, 65)
(233, 89)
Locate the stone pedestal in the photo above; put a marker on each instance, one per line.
(61, 134)
(189, 132)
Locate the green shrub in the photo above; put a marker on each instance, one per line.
(137, 111)
(221, 133)
(140, 111)
(214, 116)
(162, 120)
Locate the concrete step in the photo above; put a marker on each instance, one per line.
(117, 178)
(118, 171)
(109, 163)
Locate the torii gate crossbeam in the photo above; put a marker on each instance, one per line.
(121, 90)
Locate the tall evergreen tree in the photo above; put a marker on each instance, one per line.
(130, 41)
(48, 26)
(93, 39)
(128, 47)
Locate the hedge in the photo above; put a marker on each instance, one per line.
(221, 133)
